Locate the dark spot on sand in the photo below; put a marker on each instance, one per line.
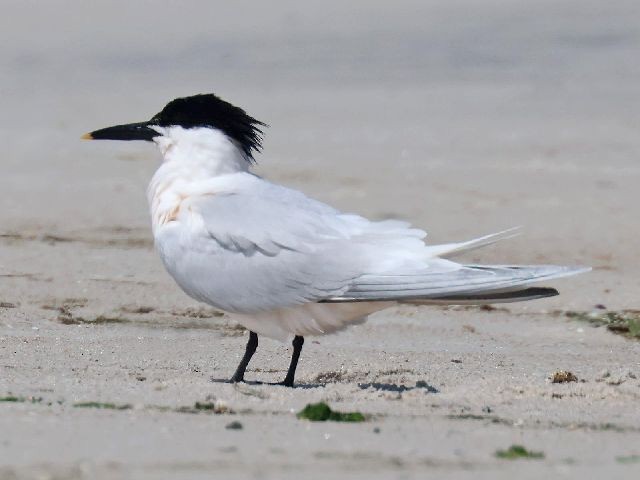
(207, 407)
(102, 405)
(139, 310)
(563, 376)
(235, 425)
(66, 318)
(197, 313)
(53, 239)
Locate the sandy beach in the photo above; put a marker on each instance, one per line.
(462, 117)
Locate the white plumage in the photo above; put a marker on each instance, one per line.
(285, 264)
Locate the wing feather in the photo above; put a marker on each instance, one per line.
(255, 247)
(469, 279)
(262, 246)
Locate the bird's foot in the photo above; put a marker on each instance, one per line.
(236, 379)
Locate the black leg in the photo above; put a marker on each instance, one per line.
(252, 345)
(297, 348)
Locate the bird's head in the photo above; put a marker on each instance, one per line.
(197, 114)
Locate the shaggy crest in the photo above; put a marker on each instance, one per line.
(208, 110)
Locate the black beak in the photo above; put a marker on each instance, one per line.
(131, 131)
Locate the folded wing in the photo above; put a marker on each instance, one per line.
(264, 246)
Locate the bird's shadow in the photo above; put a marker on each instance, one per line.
(383, 387)
(273, 384)
(393, 387)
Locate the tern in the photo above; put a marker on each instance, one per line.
(282, 264)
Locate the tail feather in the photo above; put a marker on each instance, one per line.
(481, 282)
(446, 282)
(532, 293)
(449, 250)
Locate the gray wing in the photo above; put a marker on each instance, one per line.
(270, 247)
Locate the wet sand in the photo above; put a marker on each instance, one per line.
(462, 118)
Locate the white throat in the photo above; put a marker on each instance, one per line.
(201, 149)
(192, 159)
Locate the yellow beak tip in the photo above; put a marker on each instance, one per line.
(86, 136)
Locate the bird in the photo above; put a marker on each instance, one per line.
(283, 265)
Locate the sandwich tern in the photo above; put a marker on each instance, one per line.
(281, 263)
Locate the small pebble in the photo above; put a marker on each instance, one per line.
(235, 425)
(563, 376)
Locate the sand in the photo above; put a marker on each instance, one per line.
(463, 117)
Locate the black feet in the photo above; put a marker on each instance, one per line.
(252, 345)
(297, 348)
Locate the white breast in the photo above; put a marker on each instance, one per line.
(201, 163)
(194, 161)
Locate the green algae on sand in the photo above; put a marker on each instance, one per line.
(320, 412)
(14, 399)
(623, 322)
(518, 451)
